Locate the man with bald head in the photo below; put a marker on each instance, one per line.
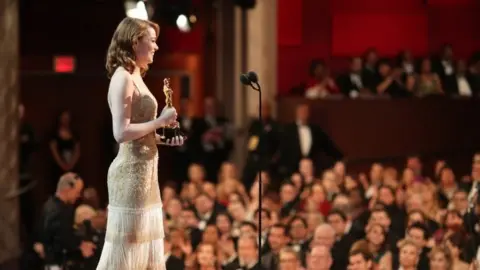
(325, 236)
(58, 239)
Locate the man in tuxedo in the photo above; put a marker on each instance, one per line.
(59, 241)
(302, 139)
(263, 143)
(216, 139)
(247, 251)
(277, 239)
(345, 237)
(352, 83)
(172, 262)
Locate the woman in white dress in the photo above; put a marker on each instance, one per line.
(134, 238)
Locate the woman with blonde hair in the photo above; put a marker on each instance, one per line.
(135, 232)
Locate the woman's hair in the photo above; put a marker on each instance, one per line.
(446, 253)
(120, 52)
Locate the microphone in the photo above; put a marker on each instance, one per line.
(244, 79)
(250, 78)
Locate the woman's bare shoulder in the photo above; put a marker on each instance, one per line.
(121, 80)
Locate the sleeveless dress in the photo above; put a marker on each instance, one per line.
(134, 237)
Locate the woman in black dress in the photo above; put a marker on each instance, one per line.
(64, 147)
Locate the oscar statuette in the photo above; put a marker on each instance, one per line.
(172, 130)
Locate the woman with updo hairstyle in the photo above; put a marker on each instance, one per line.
(135, 227)
(440, 258)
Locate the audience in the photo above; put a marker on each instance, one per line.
(400, 77)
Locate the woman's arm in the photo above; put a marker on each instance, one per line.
(384, 85)
(437, 81)
(120, 98)
(76, 155)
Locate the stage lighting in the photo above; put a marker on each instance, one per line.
(138, 9)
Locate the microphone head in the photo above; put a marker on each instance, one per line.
(244, 79)
(252, 76)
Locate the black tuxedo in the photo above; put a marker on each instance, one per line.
(452, 88)
(57, 233)
(322, 151)
(175, 263)
(213, 154)
(346, 84)
(263, 143)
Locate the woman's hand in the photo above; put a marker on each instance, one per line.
(167, 116)
(175, 141)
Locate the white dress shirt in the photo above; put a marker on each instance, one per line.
(305, 137)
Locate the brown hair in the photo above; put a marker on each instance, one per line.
(120, 52)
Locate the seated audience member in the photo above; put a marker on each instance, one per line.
(172, 262)
(369, 71)
(462, 84)
(428, 83)
(390, 81)
(440, 259)
(319, 258)
(408, 255)
(320, 84)
(352, 83)
(360, 260)
(406, 62)
(61, 245)
(247, 254)
(289, 260)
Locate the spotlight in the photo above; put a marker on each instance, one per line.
(183, 23)
(180, 13)
(138, 9)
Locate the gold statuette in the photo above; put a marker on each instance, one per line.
(172, 130)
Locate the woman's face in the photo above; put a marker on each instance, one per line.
(174, 208)
(375, 235)
(145, 48)
(408, 256)
(297, 180)
(210, 235)
(223, 224)
(426, 66)
(168, 193)
(384, 70)
(65, 118)
(206, 255)
(438, 261)
(318, 193)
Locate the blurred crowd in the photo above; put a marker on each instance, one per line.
(400, 77)
(315, 214)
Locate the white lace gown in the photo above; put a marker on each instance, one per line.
(134, 237)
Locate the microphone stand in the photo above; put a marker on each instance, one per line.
(256, 86)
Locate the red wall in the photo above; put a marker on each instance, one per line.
(336, 29)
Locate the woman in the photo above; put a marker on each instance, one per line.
(134, 238)
(375, 243)
(440, 259)
(428, 82)
(65, 147)
(205, 258)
